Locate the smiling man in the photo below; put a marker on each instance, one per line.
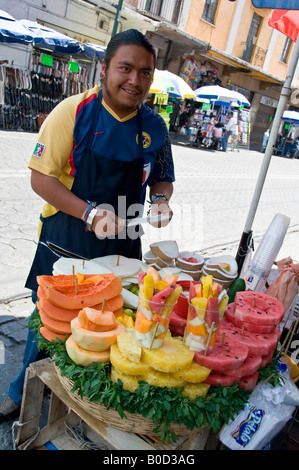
(95, 149)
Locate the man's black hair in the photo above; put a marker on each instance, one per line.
(131, 36)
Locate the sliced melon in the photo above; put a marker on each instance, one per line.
(82, 357)
(95, 340)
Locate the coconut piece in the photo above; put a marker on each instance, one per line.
(188, 265)
(196, 275)
(150, 258)
(65, 266)
(225, 263)
(164, 264)
(166, 250)
(119, 265)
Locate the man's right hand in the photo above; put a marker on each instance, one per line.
(107, 224)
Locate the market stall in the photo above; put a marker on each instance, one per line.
(224, 100)
(57, 66)
(287, 143)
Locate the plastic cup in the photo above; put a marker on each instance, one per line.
(201, 328)
(152, 322)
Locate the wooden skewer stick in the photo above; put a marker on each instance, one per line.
(288, 337)
(73, 267)
(76, 286)
(243, 328)
(117, 263)
(83, 263)
(268, 378)
(103, 305)
(253, 302)
(209, 338)
(295, 325)
(154, 335)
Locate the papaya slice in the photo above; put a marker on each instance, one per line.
(51, 335)
(56, 313)
(142, 323)
(66, 280)
(86, 296)
(61, 314)
(95, 320)
(54, 325)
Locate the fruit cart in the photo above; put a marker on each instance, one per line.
(161, 369)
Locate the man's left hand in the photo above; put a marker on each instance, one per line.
(158, 208)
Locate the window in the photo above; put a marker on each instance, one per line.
(252, 36)
(286, 50)
(209, 11)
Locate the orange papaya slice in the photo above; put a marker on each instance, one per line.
(54, 325)
(51, 335)
(95, 320)
(62, 314)
(86, 296)
(64, 281)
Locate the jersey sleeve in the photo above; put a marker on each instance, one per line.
(55, 140)
(164, 167)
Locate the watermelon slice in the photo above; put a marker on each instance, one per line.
(229, 355)
(158, 300)
(255, 328)
(216, 378)
(259, 344)
(249, 382)
(249, 367)
(212, 312)
(182, 312)
(266, 359)
(258, 308)
(177, 324)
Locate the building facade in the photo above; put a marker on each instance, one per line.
(230, 43)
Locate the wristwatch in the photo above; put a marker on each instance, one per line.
(155, 197)
(90, 218)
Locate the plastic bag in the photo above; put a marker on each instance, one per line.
(285, 287)
(263, 417)
(183, 131)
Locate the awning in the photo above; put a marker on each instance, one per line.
(241, 66)
(182, 42)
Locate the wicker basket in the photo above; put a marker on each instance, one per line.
(134, 423)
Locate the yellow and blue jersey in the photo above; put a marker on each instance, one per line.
(62, 139)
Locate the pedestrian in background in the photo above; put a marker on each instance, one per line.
(217, 136)
(229, 127)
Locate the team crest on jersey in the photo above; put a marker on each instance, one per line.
(146, 172)
(146, 140)
(39, 150)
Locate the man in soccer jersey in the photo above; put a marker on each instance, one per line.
(96, 154)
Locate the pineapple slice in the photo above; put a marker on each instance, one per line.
(162, 379)
(172, 356)
(195, 374)
(130, 382)
(124, 365)
(128, 347)
(193, 391)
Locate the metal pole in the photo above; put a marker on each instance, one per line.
(284, 96)
(117, 17)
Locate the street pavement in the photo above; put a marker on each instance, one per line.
(211, 200)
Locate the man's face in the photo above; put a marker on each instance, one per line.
(127, 79)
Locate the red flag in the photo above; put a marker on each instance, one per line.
(286, 21)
